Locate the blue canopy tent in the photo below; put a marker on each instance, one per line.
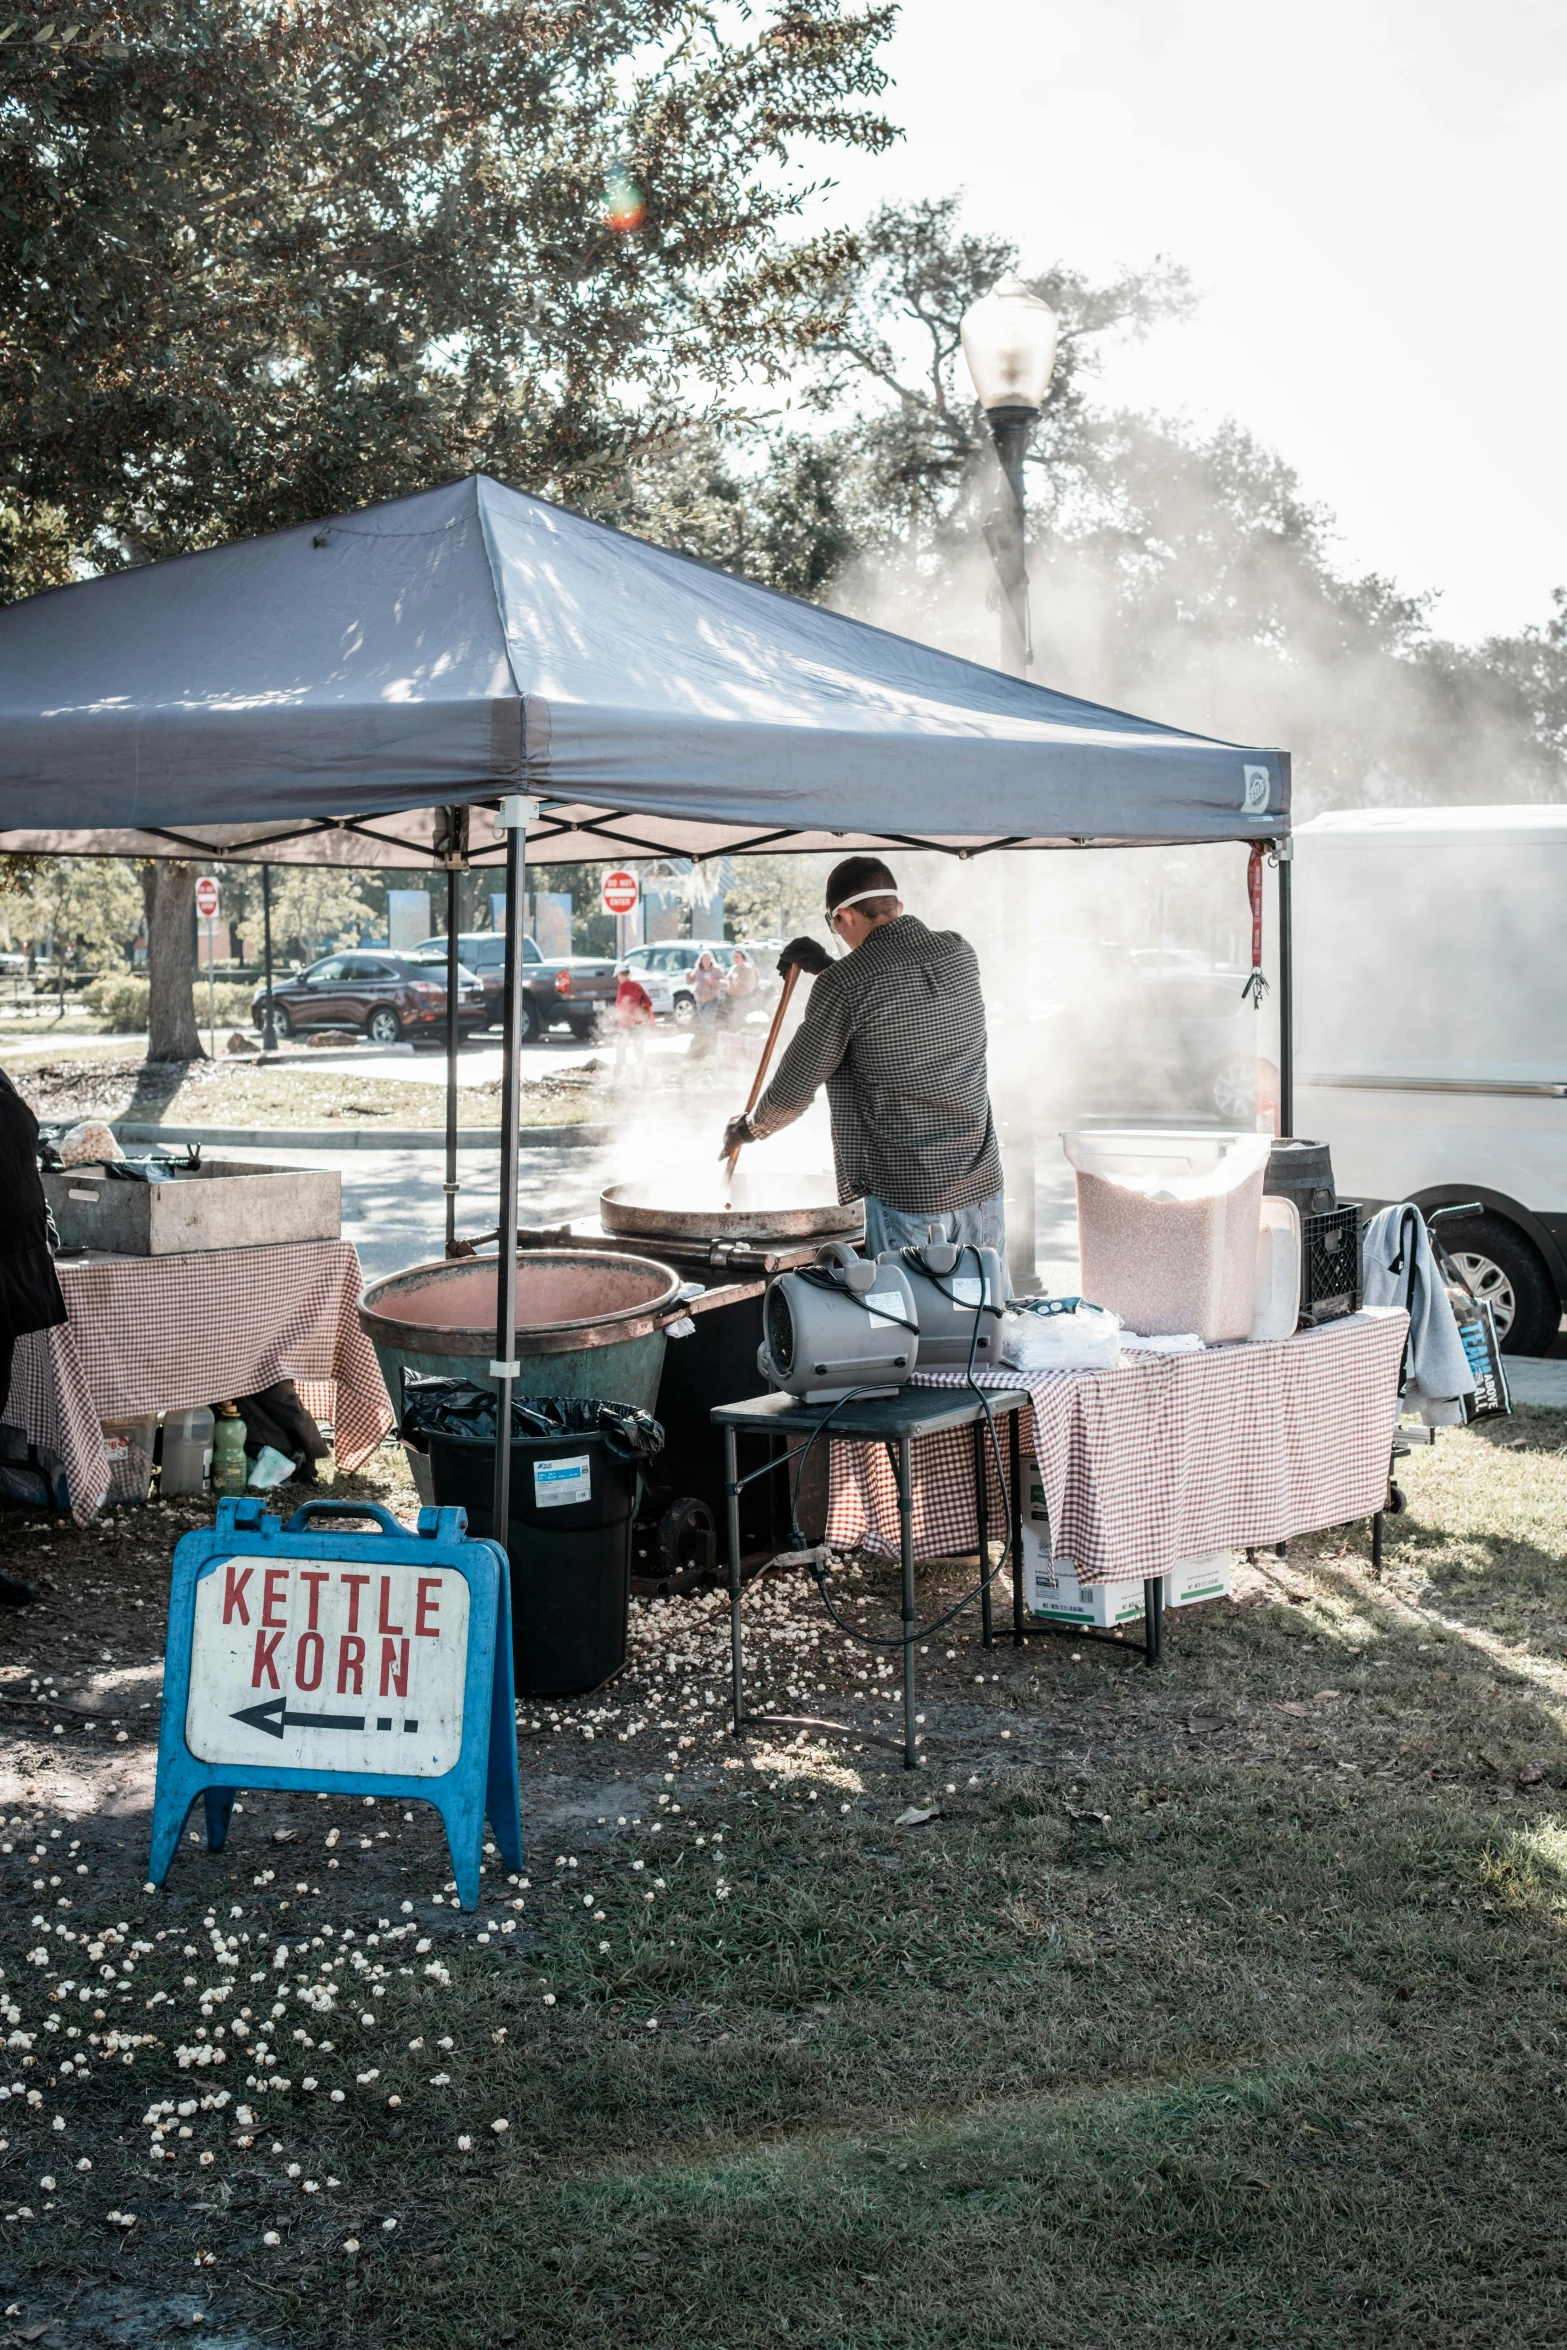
(358, 691)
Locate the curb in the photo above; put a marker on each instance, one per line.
(360, 1138)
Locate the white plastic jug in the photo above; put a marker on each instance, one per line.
(187, 1450)
(1277, 1308)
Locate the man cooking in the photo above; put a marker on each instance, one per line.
(895, 1030)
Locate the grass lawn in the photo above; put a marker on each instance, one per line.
(1216, 2005)
(248, 1093)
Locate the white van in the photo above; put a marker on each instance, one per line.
(1431, 1032)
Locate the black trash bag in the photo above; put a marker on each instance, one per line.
(433, 1406)
(28, 1474)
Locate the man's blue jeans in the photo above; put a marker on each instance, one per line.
(984, 1225)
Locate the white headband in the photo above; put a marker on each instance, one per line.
(860, 899)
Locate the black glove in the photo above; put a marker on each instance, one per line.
(804, 951)
(736, 1135)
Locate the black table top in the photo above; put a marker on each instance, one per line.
(913, 1411)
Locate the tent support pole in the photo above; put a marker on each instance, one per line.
(453, 1038)
(515, 812)
(1286, 852)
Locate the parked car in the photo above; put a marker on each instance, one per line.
(389, 996)
(567, 991)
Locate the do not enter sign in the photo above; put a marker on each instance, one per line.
(208, 898)
(620, 891)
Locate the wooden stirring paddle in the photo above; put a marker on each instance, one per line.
(760, 1079)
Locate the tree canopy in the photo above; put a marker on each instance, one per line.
(1177, 572)
(262, 262)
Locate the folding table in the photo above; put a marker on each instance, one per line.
(898, 1422)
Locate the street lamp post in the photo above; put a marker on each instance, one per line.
(268, 1017)
(1009, 344)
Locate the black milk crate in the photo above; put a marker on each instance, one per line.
(1330, 1265)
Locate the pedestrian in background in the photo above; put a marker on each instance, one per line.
(707, 987)
(633, 1023)
(740, 986)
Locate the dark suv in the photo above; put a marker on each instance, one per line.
(388, 996)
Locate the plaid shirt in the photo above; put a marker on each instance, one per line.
(896, 1033)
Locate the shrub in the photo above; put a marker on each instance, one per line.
(121, 1000)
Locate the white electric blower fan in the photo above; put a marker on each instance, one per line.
(954, 1285)
(843, 1326)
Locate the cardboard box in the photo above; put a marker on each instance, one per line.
(1099, 1605)
(1064, 1600)
(1051, 1589)
(226, 1203)
(1191, 1580)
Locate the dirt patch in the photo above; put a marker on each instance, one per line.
(1172, 1953)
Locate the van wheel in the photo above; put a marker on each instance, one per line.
(1507, 1272)
(1232, 1091)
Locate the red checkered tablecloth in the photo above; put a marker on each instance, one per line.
(155, 1334)
(1166, 1458)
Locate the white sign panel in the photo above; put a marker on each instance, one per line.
(557, 1482)
(326, 1665)
(208, 898)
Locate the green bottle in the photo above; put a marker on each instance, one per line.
(229, 1465)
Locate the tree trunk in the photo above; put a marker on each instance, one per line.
(168, 888)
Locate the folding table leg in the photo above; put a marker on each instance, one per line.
(1153, 1618)
(1015, 1464)
(982, 1521)
(1376, 1546)
(732, 1492)
(906, 1532)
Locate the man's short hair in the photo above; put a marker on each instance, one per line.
(854, 878)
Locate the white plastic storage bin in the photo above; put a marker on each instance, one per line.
(1168, 1225)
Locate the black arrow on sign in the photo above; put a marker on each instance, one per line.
(274, 1718)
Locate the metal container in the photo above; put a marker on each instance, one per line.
(1302, 1172)
(759, 1207)
(222, 1204)
(588, 1323)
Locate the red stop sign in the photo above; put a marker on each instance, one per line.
(207, 898)
(620, 891)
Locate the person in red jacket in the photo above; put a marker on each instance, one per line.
(633, 1021)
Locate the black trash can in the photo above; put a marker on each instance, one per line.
(574, 1493)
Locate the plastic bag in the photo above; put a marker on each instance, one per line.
(1086, 1339)
(90, 1144)
(433, 1406)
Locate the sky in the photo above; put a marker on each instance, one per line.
(1367, 194)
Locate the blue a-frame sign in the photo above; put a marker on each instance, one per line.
(354, 1663)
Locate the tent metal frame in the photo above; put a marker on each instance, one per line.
(516, 814)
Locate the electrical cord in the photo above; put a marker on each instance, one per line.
(819, 1571)
(820, 1277)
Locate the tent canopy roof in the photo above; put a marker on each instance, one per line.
(312, 696)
